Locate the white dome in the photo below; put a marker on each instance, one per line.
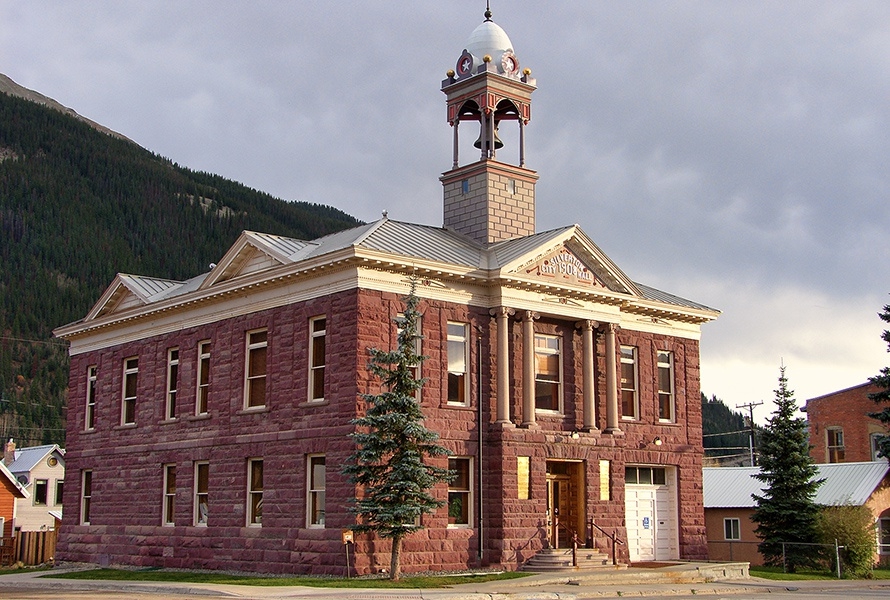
(489, 39)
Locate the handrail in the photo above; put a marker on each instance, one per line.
(615, 539)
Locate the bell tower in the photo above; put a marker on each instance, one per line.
(489, 200)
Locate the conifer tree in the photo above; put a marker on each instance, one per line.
(882, 380)
(392, 443)
(786, 512)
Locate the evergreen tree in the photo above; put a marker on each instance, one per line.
(786, 512)
(392, 443)
(883, 381)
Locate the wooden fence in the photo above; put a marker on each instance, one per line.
(29, 548)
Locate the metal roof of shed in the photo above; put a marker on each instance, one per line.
(845, 483)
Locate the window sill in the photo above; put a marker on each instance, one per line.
(458, 405)
(460, 526)
(88, 431)
(124, 426)
(311, 403)
(253, 410)
(168, 421)
(201, 417)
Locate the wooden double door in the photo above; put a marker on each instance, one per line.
(565, 503)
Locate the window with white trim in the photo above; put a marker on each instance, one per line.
(315, 500)
(41, 489)
(884, 535)
(202, 493)
(169, 513)
(836, 450)
(630, 400)
(548, 373)
(255, 492)
(90, 413)
(458, 358)
(128, 403)
(317, 351)
(172, 382)
(255, 369)
(203, 381)
(60, 486)
(460, 492)
(86, 495)
(732, 529)
(666, 405)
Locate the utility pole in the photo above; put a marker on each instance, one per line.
(750, 419)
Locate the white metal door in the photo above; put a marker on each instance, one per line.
(651, 519)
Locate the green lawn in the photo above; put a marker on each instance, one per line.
(775, 573)
(433, 581)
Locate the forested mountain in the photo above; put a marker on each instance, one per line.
(726, 434)
(78, 206)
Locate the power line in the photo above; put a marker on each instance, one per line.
(57, 343)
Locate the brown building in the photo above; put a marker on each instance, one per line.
(729, 505)
(208, 420)
(840, 428)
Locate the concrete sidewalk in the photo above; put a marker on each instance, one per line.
(572, 586)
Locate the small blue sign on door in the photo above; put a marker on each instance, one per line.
(646, 522)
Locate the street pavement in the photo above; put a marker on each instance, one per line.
(571, 586)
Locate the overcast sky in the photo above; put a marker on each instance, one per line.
(736, 153)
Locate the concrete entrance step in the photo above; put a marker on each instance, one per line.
(560, 559)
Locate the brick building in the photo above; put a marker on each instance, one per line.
(840, 428)
(208, 419)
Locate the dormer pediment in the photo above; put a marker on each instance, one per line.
(131, 291)
(256, 252)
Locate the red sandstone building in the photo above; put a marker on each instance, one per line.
(840, 428)
(208, 420)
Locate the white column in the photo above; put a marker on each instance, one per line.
(587, 383)
(528, 368)
(611, 381)
(502, 315)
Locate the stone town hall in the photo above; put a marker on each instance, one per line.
(208, 419)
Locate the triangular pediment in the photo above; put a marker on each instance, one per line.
(131, 291)
(256, 252)
(570, 258)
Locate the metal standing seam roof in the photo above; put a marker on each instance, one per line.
(27, 458)
(408, 240)
(845, 483)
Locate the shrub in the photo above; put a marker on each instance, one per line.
(854, 528)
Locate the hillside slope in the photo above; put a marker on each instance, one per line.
(79, 204)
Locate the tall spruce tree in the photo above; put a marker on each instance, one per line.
(392, 443)
(882, 380)
(786, 512)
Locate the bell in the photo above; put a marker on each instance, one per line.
(498, 144)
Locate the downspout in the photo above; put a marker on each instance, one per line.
(479, 461)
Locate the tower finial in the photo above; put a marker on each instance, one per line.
(487, 11)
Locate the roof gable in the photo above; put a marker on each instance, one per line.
(11, 483)
(253, 252)
(563, 256)
(130, 291)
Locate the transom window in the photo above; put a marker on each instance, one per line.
(548, 374)
(458, 357)
(645, 475)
